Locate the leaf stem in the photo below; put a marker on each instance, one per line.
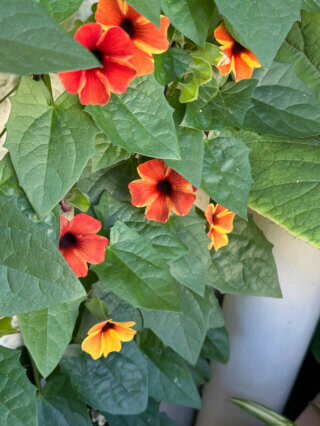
(9, 93)
(36, 374)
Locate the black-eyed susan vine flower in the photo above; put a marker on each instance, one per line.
(220, 222)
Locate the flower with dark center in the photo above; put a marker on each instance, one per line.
(241, 60)
(220, 222)
(79, 244)
(147, 38)
(161, 190)
(113, 49)
(106, 337)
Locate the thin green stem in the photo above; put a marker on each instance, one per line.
(9, 93)
(3, 132)
(36, 374)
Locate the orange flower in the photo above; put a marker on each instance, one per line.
(106, 337)
(242, 61)
(221, 223)
(79, 244)
(113, 49)
(147, 38)
(161, 189)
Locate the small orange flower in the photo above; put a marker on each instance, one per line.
(106, 337)
(161, 190)
(147, 38)
(242, 61)
(113, 49)
(221, 223)
(79, 244)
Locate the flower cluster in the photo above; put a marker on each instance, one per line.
(123, 41)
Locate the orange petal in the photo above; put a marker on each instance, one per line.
(224, 69)
(119, 75)
(142, 62)
(250, 59)
(110, 12)
(92, 248)
(241, 69)
(93, 345)
(177, 181)
(125, 334)
(98, 327)
(142, 192)
(222, 34)
(225, 220)
(88, 35)
(152, 39)
(218, 238)
(63, 225)
(159, 209)
(96, 90)
(153, 170)
(209, 213)
(181, 202)
(111, 342)
(116, 43)
(83, 224)
(72, 80)
(76, 263)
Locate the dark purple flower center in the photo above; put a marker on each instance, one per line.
(128, 27)
(98, 54)
(107, 326)
(164, 186)
(68, 240)
(237, 48)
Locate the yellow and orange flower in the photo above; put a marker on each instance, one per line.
(161, 190)
(221, 223)
(106, 337)
(242, 60)
(146, 37)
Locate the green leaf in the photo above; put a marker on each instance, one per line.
(47, 333)
(217, 109)
(216, 345)
(191, 17)
(210, 53)
(17, 394)
(97, 307)
(40, 46)
(201, 372)
(246, 265)
(226, 175)
(300, 48)
(58, 404)
(191, 269)
(52, 144)
(116, 384)
(169, 378)
(140, 120)
(189, 92)
(60, 10)
(150, 9)
(6, 327)
(311, 5)
(28, 281)
(149, 417)
(261, 412)
(286, 183)
(107, 154)
(192, 148)
(183, 331)
(171, 65)
(283, 104)
(251, 20)
(78, 199)
(136, 271)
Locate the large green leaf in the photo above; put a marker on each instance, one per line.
(17, 395)
(311, 5)
(140, 120)
(262, 25)
(283, 104)
(201, 372)
(32, 43)
(246, 265)
(226, 173)
(191, 269)
(107, 154)
(60, 10)
(190, 165)
(171, 65)
(286, 183)
(216, 345)
(150, 9)
(136, 271)
(217, 109)
(301, 49)
(191, 17)
(169, 378)
(116, 384)
(28, 281)
(58, 404)
(150, 417)
(184, 331)
(51, 145)
(47, 333)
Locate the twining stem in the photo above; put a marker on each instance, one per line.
(36, 374)
(9, 93)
